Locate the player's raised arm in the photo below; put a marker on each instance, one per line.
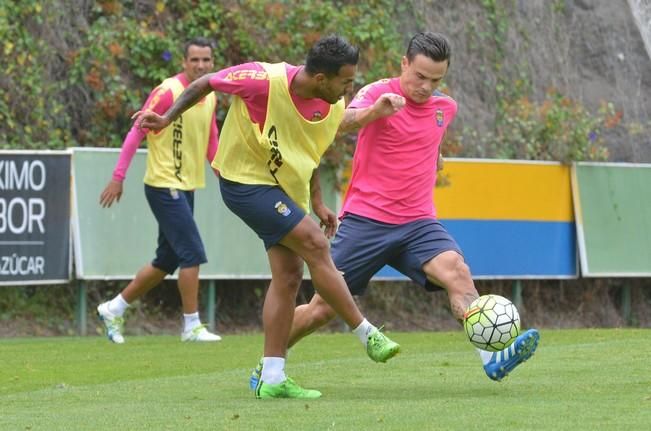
(196, 91)
(356, 118)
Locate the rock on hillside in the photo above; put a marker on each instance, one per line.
(592, 51)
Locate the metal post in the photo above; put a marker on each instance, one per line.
(626, 305)
(81, 307)
(210, 304)
(517, 294)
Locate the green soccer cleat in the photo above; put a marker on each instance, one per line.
(255, 375)
(286, 389)
(380, 348)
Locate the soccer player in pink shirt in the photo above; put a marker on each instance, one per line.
(175, 168)
(388, 215)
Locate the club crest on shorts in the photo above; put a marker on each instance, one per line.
(282, 209)
(439, 118)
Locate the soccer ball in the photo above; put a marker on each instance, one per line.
(492, 322)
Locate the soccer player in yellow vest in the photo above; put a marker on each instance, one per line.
(175, 168)
(282, 119)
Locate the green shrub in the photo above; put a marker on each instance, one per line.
(31, 114)
(73, 73)
(557, 129)
(107, 56)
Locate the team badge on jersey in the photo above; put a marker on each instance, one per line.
(439, 118)
(282, 209)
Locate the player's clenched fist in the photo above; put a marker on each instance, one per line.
(388, 104)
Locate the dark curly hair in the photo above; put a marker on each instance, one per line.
(329, 54)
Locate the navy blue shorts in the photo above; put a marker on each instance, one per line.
(179, 243)
(265, 209)
(362, 246)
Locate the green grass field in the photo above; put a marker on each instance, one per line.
(578, 380)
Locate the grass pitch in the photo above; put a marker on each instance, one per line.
(578, 380)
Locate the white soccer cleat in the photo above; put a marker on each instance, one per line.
(199, 333)
(113, 323)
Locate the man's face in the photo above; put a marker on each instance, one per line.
(334, 88)
(198, 62)
(421, 76)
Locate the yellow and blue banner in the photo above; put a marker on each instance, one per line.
(512, 219)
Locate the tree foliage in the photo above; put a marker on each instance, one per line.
(75, 71)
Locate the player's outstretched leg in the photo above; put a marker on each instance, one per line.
(286, 389)
(379, 347)
(113, 323)
(503, 362)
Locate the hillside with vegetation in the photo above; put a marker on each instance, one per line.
(543, 80)
(562, 80)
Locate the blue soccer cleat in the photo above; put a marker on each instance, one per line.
(255, 376)
(505, 361)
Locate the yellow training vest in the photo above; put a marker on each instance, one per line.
(176, 154)
(289, 147)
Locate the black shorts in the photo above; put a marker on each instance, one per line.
(265, 209)
(362, 246)
(179, 242)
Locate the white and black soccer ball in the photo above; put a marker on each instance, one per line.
(491, 322)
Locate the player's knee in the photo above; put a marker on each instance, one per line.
(459, 273)
(293, 277)
(451, 270)
(316, 244)
(461, 269)
(289, 275)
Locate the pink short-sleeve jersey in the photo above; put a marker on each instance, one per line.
(394, 167)
(250, 82)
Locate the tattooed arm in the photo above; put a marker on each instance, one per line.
(356, 118)
(190, 96)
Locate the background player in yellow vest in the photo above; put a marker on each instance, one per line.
(282, 119)
(175, 167)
